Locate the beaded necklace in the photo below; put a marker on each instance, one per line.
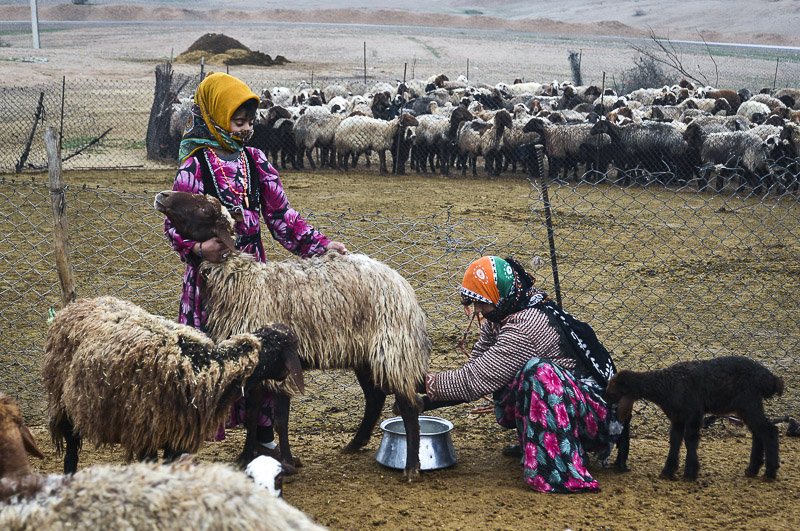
(245, 175)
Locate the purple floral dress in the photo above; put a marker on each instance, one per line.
(558, 419)
(283, 222)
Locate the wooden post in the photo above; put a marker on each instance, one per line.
(59, 203)
(405, 69)
(365, 62)
(202, 68)
(467, 67)
(23, 158)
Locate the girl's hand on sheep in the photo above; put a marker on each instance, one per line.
(338, 247)
(212, 250)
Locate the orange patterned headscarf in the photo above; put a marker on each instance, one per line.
(487, 279)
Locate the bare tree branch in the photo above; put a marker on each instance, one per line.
(708, 49)
(667, 55)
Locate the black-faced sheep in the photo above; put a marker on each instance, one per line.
(349, 312)
(116, 374)
(480, 138)
(686, 391)
(273, 133)
(732, 151)
(183, 495)
(657, 147)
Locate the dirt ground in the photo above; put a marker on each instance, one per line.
(484, 490)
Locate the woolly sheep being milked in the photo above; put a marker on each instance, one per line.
(687, 390)
(349, 312)
(116, 374)
(185, 494)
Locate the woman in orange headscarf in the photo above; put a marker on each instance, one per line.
(546, 370)
(214, 160)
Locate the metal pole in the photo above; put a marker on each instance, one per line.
(775, 79)
(35, 24)
(548, 219)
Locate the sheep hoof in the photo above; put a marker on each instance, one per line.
(288, 469)
(412, 475)
(750, 472)
(668, 475)
(352, 448)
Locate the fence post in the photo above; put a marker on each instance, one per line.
(59, 204)
(548, 219)
(23, 158)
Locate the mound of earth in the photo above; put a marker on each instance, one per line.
(216, 48)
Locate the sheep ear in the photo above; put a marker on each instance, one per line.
(625, 407)
(296, 373)
(227, 240)
(29, 443)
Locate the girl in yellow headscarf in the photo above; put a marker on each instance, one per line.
(214, 160)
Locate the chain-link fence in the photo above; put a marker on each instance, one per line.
(663, 274)
(673, 252)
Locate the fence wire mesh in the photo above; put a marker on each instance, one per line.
(669, 258)
(662, 275)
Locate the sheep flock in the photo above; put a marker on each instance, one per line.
(679, 135)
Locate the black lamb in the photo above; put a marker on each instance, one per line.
(687, 390)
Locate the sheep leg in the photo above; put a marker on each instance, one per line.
(410, 412)
(623, 447)
(72, 445)
(691, 437)
(382, 158)
(280, 414)
(765, 443)
(254, 398)
(374, 398)
(675, 439)
(310, 156)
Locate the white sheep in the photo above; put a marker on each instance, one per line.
(753, 109)
(357, 135)
(185, 494)
(317, 130)
(349, 312)
(116, 374)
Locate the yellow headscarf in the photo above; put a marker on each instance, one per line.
(217, 98)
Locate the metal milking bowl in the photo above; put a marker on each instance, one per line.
(435, 444)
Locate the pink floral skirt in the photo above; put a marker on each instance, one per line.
(558, 419)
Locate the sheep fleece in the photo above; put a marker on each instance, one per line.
(345, 309)
(119, 372)
(184, 495)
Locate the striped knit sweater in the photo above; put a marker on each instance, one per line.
(500, 352)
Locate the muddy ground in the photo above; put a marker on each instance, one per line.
(611, 239)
